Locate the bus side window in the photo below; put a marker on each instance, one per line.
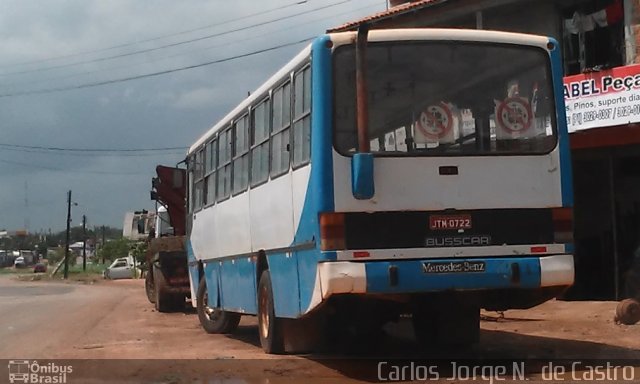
(241, 155)
(199, 180)
(280, 121)
(192, 190)
(224, 164)
(302, 117)
(210, 172)
(260, 143)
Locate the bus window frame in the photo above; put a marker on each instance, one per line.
(190, 183)
(199, 178)
(266, 100)
(212, 161)
(220, 166)
(235, 156)
(555, 123)
(288, 126)
(302, 116)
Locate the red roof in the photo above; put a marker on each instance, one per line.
(391, 12)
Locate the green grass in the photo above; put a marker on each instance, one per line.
(91, 268)
(16, 271)
(91, 275)
(10, 270)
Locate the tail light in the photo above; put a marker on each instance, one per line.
(562, 225)
(332, 231)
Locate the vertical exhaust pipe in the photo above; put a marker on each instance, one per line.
(362, 183)
(362, 104)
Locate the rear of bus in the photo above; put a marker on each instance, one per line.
(472, 204)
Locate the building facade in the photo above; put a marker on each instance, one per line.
(600, 40)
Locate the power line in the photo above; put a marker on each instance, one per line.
(152, 74)
(177, 43)
(234, 42)
(49, 168)
(92, 154)
(155, 38)
(92, 149)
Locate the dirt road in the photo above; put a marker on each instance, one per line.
(113, 320)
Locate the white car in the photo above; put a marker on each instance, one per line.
(121, 268)
(19, 262)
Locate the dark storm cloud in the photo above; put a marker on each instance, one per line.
(164, 111)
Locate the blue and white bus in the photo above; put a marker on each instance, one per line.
(455, 196)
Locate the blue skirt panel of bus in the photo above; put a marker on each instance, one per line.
(212, 279)
(283, 269)
(194, 274)
(412, 277)
(232, 282)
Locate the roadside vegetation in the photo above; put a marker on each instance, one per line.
(51, 250)
(92, 274)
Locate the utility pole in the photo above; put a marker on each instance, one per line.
(66, 243)
(84, 242)
(102, 246)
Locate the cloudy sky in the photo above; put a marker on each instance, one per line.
(53, 51)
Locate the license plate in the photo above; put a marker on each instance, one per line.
(445, 222)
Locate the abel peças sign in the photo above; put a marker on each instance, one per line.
(603, 99)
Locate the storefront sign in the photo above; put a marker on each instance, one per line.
(603, 99)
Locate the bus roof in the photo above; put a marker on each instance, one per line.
(380, 35)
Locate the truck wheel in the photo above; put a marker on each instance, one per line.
(149, 286)
(214, 320)
(269, 326)
(165, 301)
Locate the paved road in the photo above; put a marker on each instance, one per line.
(38, 320)
(113, 320)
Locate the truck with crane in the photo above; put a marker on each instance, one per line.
(167, 279)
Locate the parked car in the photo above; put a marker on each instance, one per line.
(39, 268)
(121, 268)
(19, 262)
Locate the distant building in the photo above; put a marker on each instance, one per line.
(600, 41)
(137, 225)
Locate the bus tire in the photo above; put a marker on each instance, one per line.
(270, 327)
(424, 327)
(149, 286)
(214, 320)
(460, 326)
(457, 326)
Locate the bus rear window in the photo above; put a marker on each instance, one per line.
(448, 99)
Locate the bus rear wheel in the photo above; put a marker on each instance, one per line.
(214, 320)
(269, 326)
(455, 325)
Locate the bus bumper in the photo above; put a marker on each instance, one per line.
(416, 276)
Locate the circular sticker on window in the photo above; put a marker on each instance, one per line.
(435, 121)
(514, 114)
